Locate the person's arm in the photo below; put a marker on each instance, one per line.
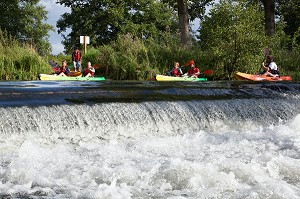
(264, 67)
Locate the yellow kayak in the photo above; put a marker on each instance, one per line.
(172, 78)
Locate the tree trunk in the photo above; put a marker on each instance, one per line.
(184, 25)
(269, 7)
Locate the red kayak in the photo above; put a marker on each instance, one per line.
(245, 76)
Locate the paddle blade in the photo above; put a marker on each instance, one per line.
(96, 66)
(208, 72)
(267, 51)
(189, 63)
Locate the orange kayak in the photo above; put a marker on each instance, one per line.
(251, 77)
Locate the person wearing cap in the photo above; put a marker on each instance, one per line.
(76, 59)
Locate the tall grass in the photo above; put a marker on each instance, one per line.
(130, 58)
(19, 61)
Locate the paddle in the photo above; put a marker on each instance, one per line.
(208, 72)
(267, 51)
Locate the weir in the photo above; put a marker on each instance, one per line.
(128, 109)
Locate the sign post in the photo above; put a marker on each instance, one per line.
(85, 40)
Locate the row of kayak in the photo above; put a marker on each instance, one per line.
(239, 76)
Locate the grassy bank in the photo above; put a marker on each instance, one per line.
(19, 61)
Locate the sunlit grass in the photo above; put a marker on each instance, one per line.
(20, 61)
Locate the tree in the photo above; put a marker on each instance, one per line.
(24, 19)
(232, 33)
(289, 11)
(269, 9)
(104, 21)
(269, 12)
(188, 11)
(9, 16)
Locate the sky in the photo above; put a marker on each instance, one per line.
(54, 12)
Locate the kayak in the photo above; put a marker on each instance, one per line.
(251, 77)
(172, 78)
(46, 77)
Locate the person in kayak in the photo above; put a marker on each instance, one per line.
(193, 71)
(176, 71)
(64, 70)
(89, 71)
(271, 68)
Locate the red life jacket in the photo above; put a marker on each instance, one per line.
(176, 72)
(193, 71)
(76, 56)
(64, 70)
(87, 71)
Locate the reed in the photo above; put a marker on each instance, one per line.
(130, 58)
(19, 61)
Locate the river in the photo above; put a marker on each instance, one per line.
(130, 139)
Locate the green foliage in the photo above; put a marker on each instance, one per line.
(19, 62)
(126, 59)
(130, 58)
(232, 37)
(290, 13)
(24, 20)
(105, 21)
(196, 8)
(287, 57)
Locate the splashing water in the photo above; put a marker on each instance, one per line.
(226, 148)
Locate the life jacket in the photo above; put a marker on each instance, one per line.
(275, 70)
(176, 72)
(194, 71)
(76, 56)
(64, 70)
(89, 70)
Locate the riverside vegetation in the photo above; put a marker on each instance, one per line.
(231, 39)
(131, 59)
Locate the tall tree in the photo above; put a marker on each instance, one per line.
(24, 19)
(184, 25)
(289, 10)
(9, 11)
(269, 8)
(105, 20)
(269, 13)
(188, 10)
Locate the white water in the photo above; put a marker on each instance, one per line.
(150, 156)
